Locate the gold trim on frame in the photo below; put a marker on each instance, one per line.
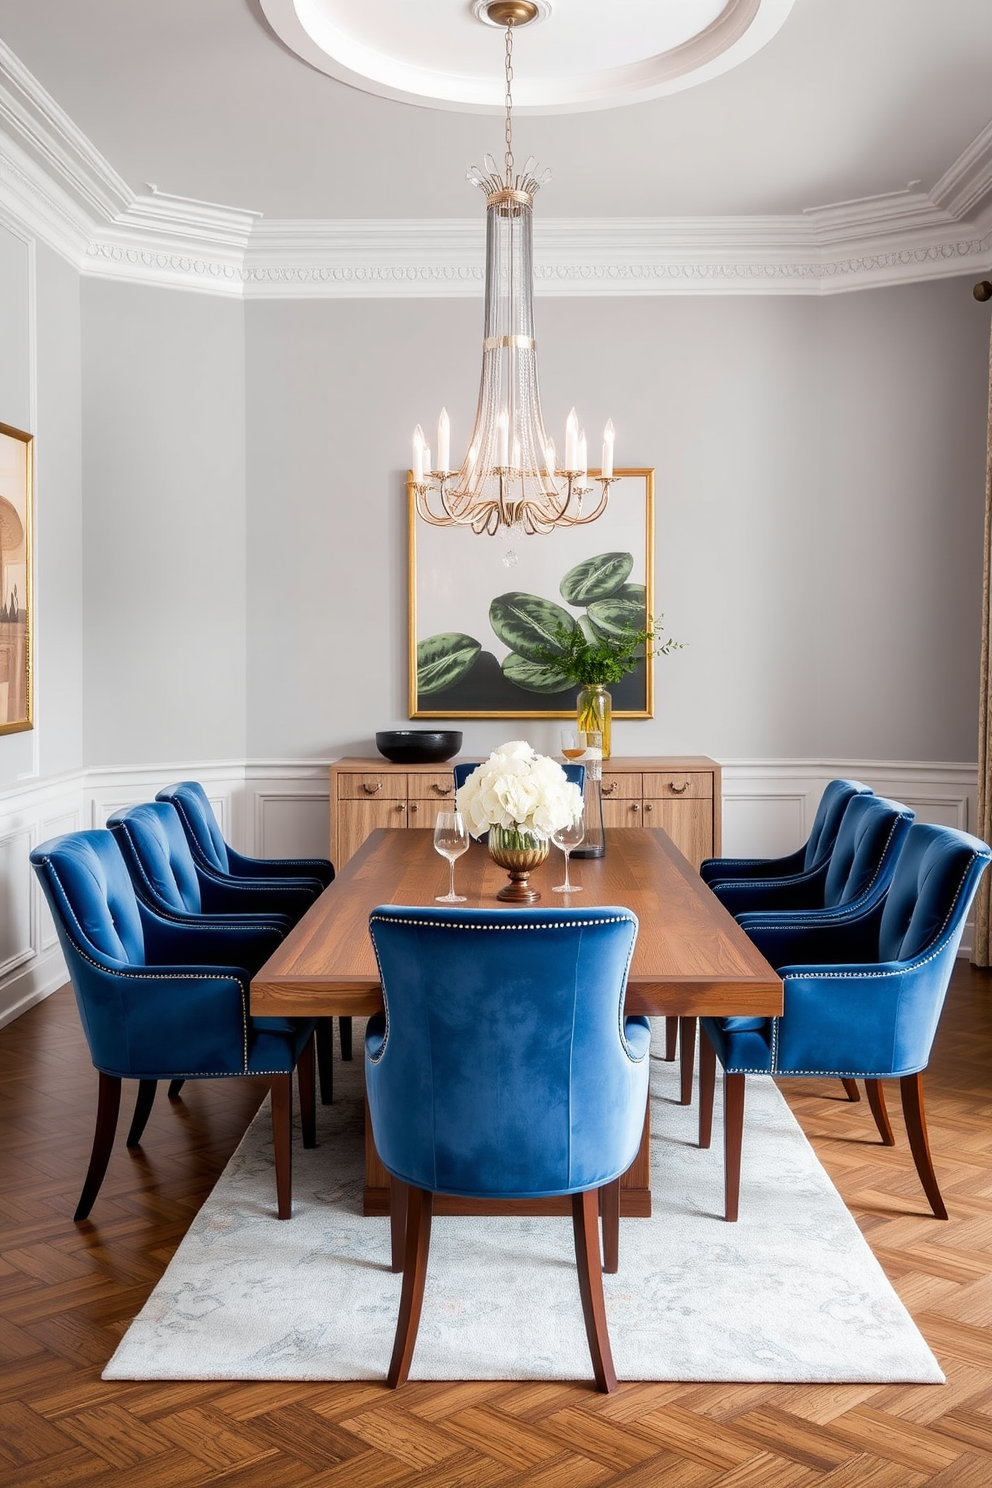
(618, 494)
(16, 635)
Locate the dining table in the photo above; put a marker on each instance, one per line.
(691, 958)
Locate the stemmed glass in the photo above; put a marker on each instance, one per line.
(450, 840)
(566, 838)
(572, 743)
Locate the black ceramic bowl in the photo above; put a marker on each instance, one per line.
(418, 746)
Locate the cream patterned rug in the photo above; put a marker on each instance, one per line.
(789, 1293)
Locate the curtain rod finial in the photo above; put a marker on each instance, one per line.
(983, 290)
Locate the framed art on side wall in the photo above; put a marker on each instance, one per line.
(482, 609)
(16, 496)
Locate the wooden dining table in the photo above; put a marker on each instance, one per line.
(691, 957)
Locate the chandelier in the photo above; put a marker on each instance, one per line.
(511, 476)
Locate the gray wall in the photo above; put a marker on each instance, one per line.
(164, 535)
(820, 477)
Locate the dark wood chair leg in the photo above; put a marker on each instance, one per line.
(282, 1141)
(420, 1207)
(876, 1101)
(585, 1227)
(609, 1209)
(142, 1111)
(397, 1222)
(671, 1038)
(853, 1093)
(733, 1140)
(108, 1106)
(324, 1035)
(305, 1079)
(344, 1033)
(911, 1090)
(174, 1088)
(687, 1059)
(707, 1089)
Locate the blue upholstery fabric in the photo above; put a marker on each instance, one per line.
(211, 852)
(815, 851)
(854, 876)
(150, 1008)
(573, 772)
(857, 1015)
(504, 1065)
(168, 880)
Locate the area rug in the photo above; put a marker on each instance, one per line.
(789, 1293)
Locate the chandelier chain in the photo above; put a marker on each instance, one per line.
(508, 100)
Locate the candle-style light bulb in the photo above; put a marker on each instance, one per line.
(516, 453)
(583, 456)
(443, 441)
(608, 438)
(418, 456)
(572, 441)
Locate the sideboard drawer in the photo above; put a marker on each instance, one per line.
(440, 787)
(625, 786)
(678, 786)
(377, 785)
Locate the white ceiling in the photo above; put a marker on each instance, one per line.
(849, 99)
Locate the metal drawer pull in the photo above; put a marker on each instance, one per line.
(635, 806)
(442, 790)
(371, 790)
(678, 790)
(609, 787)
(648, 806)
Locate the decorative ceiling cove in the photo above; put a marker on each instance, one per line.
(55, 184)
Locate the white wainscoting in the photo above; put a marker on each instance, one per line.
(279, 808)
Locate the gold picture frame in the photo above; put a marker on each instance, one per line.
(16, 619)
(457, 578)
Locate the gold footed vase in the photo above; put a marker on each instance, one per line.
(519, 852)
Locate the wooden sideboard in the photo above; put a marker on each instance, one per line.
(680, 793)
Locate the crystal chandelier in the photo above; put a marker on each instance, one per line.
(510, 476)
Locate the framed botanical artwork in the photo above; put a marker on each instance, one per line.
(482, 609)
(15, 579)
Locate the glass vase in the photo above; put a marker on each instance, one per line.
(519, 851)
(594, 711)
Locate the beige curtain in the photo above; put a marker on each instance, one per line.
(982, 952)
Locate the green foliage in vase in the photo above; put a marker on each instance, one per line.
(608, 656)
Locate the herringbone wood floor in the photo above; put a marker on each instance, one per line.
(67, 1293)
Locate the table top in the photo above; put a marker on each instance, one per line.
(691, 956)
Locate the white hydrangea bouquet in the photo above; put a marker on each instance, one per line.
(519, 791)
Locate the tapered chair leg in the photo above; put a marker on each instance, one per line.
(707, 1089)
(911, 1090)
(876, 1100)
(324, 1035)
(344, 1033)
(282, 1141)
(609, 1209)
(420, 1207)
(142, 1111)
(397, 1223)
(174, 1088)
(671, 1037)
(107, 1109)
(851, 1087)
(733, 1139)
(687, 1059)
(305, 1078)
(585, 1227)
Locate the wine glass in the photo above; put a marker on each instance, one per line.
(567, 837)
(572, 743)
(450, 840)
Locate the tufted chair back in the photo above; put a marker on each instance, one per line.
(870, 836)
(931, 890)
(829, 814)
(503, 1066)
(154, 847)
(92, 897)
(190, 800)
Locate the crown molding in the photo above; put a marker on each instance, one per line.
(57, 186)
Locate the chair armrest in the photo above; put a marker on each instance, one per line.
(801, 891)
(811, 939)
(253, 896)
(321, 870)
(637, 1036)
(213, 940)
(714, 870)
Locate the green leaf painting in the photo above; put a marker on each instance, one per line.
(596, 578)
(532, 676)
(528, 624)
(443, 660)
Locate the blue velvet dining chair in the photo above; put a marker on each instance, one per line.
(814, 851)
(503, 1068)
(863, 997)
(574, 772)
(154, 1006)
(854, 878)
(288, 886)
